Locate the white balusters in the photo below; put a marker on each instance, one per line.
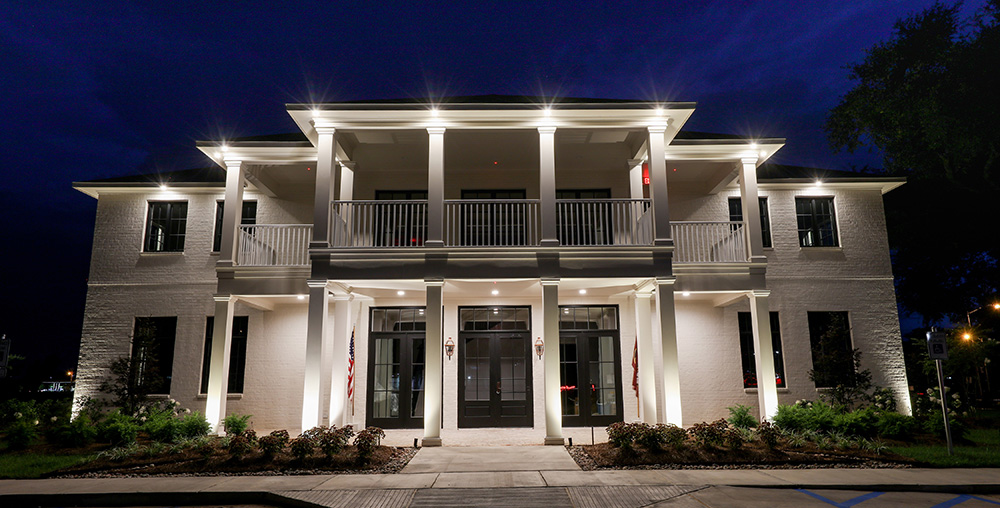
(709, 242)
(274, 245)
(379, 223)
(594, 222)
(492, 223)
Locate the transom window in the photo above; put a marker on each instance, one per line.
(166, 223)
(736, 215)
(494, 318)
(817, 222)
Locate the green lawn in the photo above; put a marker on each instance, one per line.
(33, 465)
(985, 453)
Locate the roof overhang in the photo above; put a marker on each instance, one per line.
(95, 189)
(883, 184)
(259, 152)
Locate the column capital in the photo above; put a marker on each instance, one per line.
(342, 298)
(546, 129)
(348, 164)
(666, 281)
(645, 295)
(324, 127)
(317, 283)
(433, 282)
(550, 281)
(657, 128)
(759, 293)
(634, 162)
(749, 160)
(233, 164)
(436, 130)
(224, 298)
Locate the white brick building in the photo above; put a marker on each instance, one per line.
(455, 242)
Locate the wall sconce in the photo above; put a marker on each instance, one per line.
(539, 347)
(449, 348)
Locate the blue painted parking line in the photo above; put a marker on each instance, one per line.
(961, 499)
(846, 504)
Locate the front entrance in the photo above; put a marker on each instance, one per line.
(494, 355)
(397, 345)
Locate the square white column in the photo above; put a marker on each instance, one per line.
(433, 392)
(231, 212)
(346, 186)
(647, 375)
(218, 371)
(547, 185)
(550, 338)
(342, 322)
(312, 393)
(326, 179)
(751, 209)
(435, 187)
(767, 386)
(658, 185)
(668, 339)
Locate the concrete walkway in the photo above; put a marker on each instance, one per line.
(506, 476)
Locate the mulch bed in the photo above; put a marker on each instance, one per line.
(214, 462)
(750, 456)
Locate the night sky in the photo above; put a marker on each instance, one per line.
(94, 90)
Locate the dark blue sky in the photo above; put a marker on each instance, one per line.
(99, 89)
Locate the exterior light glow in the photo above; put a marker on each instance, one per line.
(763, 153)
(565, 311)
(996, 306)
(753, 145)
(224, 148)
(495, 292)
(315, 113)
(400, 293)
(583, 291)
(686, 293)
(163, 186)
(819, 183)
(967, 336)
(434, 112)
(496, 311)
(659, 111)
(301, 297)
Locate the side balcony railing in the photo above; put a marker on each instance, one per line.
(709, 242)
(274, 245)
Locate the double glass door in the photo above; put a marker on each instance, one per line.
(495, 369)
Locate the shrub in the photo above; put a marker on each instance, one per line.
(162, 427)
(935, 425)
(862, 422)
(648, 436)
(236, 424)
(740, 417)
(732, 437)
(75, 434)
(332, 440)
(194, 425)
(366, 442)
(767, 434)
(118, 429)
(302, 447)
(709, 435)
(895, 426)
(815, 416)
(21, 434)
(239, 445)
(273, 443)
(13, 410)
(623, 435)
(884, 399)
(671, 435)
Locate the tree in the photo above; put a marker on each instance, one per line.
(133, 377)
(926, 99)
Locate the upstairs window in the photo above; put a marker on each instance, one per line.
(749, 355)
(816, 221)
(165, 226)
(736, 215)
(249, 218)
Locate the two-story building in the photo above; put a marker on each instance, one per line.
(490, 262)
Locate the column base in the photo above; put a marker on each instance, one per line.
(550, 243)
(555, 441)
(434, 243)
(430, 442)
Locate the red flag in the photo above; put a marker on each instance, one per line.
(635, 367)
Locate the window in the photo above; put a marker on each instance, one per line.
(750, 358)
(589, 365)
(736, 215)
(153, 352)
(165, 226)
(237, 354)
(397, 349)
(249, 218)
(816, 221)
(832, 355)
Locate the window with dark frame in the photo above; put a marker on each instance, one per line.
(153, 353)
(748, 351)
(400, 225)
(736, 215)
(166, 223)
(396, 366)
(817, 222)
(590, 374)
(248, 218)
(237, 354)
(832, 353)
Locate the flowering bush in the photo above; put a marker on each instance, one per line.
(709, 435)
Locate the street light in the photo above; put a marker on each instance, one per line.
(968, 315)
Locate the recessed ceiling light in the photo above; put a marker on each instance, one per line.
(301, 297)
(163, 186)
(496, 311)
(686, 293)
(495, 292)
(819, 183)
(400, 293)
(583, 291)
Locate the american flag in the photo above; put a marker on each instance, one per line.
(350, 372)
(635, 367)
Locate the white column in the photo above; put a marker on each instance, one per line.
(635, 178)
(647, 376)
(312, 394)
(763, 348)
(547, 185)
(232, 211)
(338, 372)
(658, 185)
(346, 185)
(218, 371)
(550, 365)
(326, 179)
(668, 338)
(435, 188)
(433, 378)
(751, 209)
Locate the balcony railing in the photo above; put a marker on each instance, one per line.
(274, 245)
(492, 223)
(596, 222)
(709, 242)
(378, 223)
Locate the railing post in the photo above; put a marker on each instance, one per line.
(435, 188)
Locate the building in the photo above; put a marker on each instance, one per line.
(490, 262)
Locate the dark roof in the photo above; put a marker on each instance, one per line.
(493, 101)
(291, 136)
(683, 134)
(212, 175)
(772, 171)
(299, 137)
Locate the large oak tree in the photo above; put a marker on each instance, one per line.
(928, 100)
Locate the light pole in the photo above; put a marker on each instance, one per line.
(967, 336)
